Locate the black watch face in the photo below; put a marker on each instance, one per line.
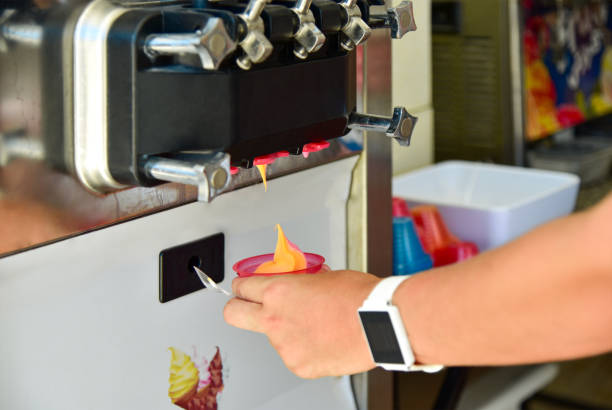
(381, 336)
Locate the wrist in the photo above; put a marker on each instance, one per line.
(411, 305)
(384, 329)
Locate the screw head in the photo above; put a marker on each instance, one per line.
(219, 178)
(216, 43)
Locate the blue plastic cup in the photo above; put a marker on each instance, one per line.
(409, 257)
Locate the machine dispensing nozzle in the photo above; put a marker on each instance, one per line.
(209, 172)
(399, 127)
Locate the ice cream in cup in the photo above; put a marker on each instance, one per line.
(287, 259)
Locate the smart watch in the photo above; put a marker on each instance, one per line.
(385, 332)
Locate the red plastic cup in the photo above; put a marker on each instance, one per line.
(400, 208)
(434, 233)
(454, 253)
(247, 267)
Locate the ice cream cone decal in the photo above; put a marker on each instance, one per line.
(186, 390)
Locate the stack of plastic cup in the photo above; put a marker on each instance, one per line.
(400, 208)
(444, 247)
(409, 257)
(435, 234)
(454, 253)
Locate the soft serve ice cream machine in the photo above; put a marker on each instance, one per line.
(103, 102)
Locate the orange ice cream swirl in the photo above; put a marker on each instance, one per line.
(287, 257)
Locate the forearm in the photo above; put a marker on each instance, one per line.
(544, 297)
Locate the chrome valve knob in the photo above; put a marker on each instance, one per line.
(309, 39)
(209, 172)
(255, 45)
(212, 44)
(399, 19)
(355, 31)
(399, 127)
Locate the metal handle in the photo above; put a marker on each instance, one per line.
(212, 44)
(254, 9)
(308, 38)
(355, 31)
(399, 19)
(255, 45)
(210, 173)
(400, 126)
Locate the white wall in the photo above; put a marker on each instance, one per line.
(412, 77)
(82, 327)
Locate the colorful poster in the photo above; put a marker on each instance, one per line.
(195, 383)
(567, 48)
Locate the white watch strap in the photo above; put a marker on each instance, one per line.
(382, 296)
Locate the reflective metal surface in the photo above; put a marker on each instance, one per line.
(212, 44)
(255, 45)
(40, 204)
(308, 37)
(91, 96)
(209, 173)
(399, 127)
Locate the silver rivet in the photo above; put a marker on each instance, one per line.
(219, 178)
(216, 44)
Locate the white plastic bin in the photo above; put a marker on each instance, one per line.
(490, 204)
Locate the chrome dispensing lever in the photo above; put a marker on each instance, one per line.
(212, 44)
(308, 38)
(399, 19)
(355, 31)
(399, 127)
(255, 45)
(209, 172)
